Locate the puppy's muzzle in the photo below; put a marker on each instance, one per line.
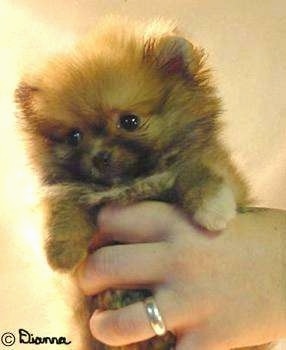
(102, 160)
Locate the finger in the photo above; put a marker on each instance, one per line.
(132, 264)
(130, 324)
(121, 327)
(196, 340)
(142, 222)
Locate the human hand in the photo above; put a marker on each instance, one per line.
(214, 291)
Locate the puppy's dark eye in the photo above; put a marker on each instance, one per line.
(74, 137)
(129, 122)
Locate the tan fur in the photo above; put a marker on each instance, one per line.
(147, 70)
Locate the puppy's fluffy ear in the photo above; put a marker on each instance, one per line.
(174, 55)
(24, 98)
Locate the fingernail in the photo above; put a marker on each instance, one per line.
(97, 312)
(97, 241)
(85, 273)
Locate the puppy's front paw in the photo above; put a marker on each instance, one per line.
(69, 229)
(217, 211)
(120, 195)
(95, 199)
(64, 255)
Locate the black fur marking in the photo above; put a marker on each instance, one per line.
(146, 158)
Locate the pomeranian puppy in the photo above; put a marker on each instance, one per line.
(130, 114)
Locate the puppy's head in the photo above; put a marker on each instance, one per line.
(109, 110)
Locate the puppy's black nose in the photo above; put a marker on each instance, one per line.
(102, 159)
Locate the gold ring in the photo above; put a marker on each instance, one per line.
(154, 316)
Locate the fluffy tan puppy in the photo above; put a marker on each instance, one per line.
(130, 114)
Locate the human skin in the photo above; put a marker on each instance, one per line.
(214, 290)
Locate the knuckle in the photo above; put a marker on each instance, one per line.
(169, 212)
(179, 263)
(193, 341)
(106, 262)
